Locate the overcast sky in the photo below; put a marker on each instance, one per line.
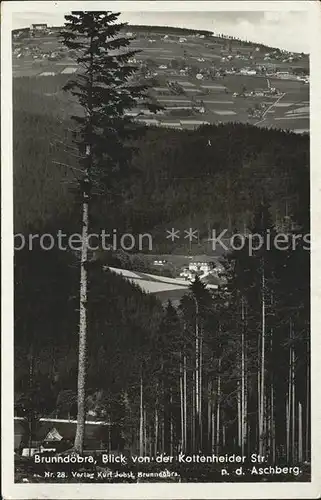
(288, 30)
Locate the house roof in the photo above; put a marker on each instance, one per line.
(55, 430)
(67, 430)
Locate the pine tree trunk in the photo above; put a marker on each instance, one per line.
(141, 420)
(163, 435)
(262, 372)
(293, 422)
(200, 421)
(243, 383)
(239, 415)
(266, 422)
(218, 410)
(185, 401)
(171, 430)
(213, 431)
(150, 441)
(30, 413)
(145, 432)
(181, 392)
(307, 410)
(300, 437)
(291, 398)
(209, 410)
(156, 429)
(289, 406)
(81, 385)
(81, 388)
(193, 414)
(273, 450)
(137, 440)
(196, 378)
(223, 435)
(259, 395)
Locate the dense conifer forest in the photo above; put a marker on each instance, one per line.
(212, 177)
(223, 372)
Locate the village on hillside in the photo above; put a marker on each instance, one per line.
(197, 77)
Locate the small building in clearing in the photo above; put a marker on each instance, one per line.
(59, 434)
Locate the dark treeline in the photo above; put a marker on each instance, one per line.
(166, 30)
(223, 372)
(46, 340)
(216, 176)
(212, 178)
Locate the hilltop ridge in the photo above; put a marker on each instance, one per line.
(175, 30)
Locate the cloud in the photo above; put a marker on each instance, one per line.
(273, 17)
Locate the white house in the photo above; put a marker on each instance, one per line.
(204, 267)
(193, 266)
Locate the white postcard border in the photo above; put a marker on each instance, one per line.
(159, 490)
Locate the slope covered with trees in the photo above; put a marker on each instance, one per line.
(222, 373)
(213, 177)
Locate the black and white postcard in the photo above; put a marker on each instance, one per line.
(161, 300)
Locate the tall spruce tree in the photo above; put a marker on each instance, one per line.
(105, 90)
